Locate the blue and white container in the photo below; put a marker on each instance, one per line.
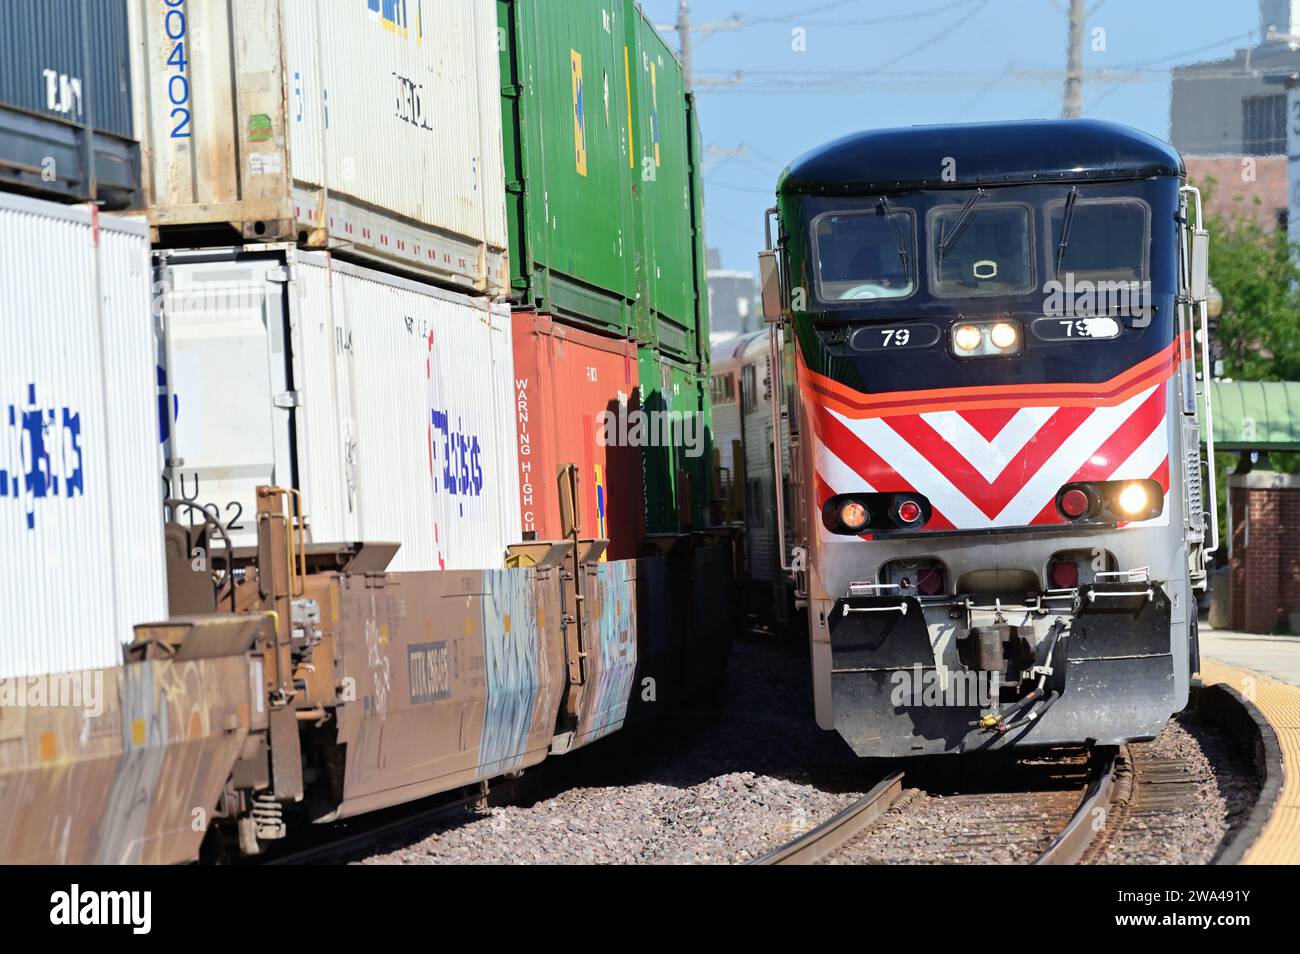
(81, 530)
(388, 403)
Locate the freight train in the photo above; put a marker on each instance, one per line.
(370, 459)
(996, 519)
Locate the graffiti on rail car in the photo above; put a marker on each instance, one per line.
(512, 644)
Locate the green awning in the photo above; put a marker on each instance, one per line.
(1256, 415)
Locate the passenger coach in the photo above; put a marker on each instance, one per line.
(997, 520)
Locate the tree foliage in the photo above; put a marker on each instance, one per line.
(1258, 274)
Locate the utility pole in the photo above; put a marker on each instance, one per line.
(684, 28)
(1074, 63)
(684, 38)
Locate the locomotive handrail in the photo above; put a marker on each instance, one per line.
(1202, 309)
(900, 608)
(776, 392)
(1148, 593)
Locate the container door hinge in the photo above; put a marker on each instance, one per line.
(281, 274)
(288, 399)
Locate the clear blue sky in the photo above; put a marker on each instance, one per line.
(918, 61)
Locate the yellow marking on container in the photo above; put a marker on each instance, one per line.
(383, 634)
(579, 113)
(334, 603)
(541, 619)
(196, 724)
(627, 83)
(654, 111)
(1279, 842)
(137, 732)
(49, 746)
(469, 626)
(505, 623)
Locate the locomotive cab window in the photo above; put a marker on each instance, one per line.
(864, 255)
(979, 249)
(1107, 240)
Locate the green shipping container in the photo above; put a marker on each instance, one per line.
(679, 446)
(602, 160)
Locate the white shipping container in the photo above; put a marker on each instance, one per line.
(81, 527)
(369, 126)
(387, 402)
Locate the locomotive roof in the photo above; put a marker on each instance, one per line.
(1051, 150)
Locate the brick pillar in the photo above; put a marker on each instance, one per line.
(1265, 550)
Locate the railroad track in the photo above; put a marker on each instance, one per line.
(1068, 802)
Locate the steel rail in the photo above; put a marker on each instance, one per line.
(1072, 842)
(839, 829)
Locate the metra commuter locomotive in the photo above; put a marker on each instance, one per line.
(996, 475)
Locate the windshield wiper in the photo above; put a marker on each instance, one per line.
(898, 233)
(960, 224)
(1065, 226)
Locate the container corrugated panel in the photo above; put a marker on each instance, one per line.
(677, 464)
(570, 162)
(664, 193)
(66, 128)
(573, 394)
(80, 511)
(432, 415)
(372, 126)
(387, 402)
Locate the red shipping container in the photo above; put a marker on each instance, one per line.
(570, 385)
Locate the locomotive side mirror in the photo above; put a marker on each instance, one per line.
(769, 278)
(1199, 281)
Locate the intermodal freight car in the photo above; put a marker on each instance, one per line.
(347, 606)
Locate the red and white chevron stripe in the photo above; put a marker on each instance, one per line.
(996, 465)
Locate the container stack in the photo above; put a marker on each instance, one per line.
(325, 183)
(409, 259)
(605, 210)
(80, 524)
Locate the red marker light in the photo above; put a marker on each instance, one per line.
(909, 511)
(1074, 503)
(1065, 576)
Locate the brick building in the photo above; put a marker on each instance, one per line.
(1265, 564)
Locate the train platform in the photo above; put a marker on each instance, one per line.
(1266, 671)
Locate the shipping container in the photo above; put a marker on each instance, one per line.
(677, 460)
(574, 394)
(387, 402)
(81, 525)
(66, 129)
(371, 128)
(567, 112)
(605, 226)
(670, 237)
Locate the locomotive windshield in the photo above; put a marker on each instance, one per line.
(886, 254)
(980, 249)
(1106, 241)
(866, 254)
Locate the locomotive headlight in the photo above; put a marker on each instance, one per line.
(1134, 499)
(853, 515)
(967, 337)
(1004, 335)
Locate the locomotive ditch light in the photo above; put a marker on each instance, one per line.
(853, 515)
(1134, 498)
